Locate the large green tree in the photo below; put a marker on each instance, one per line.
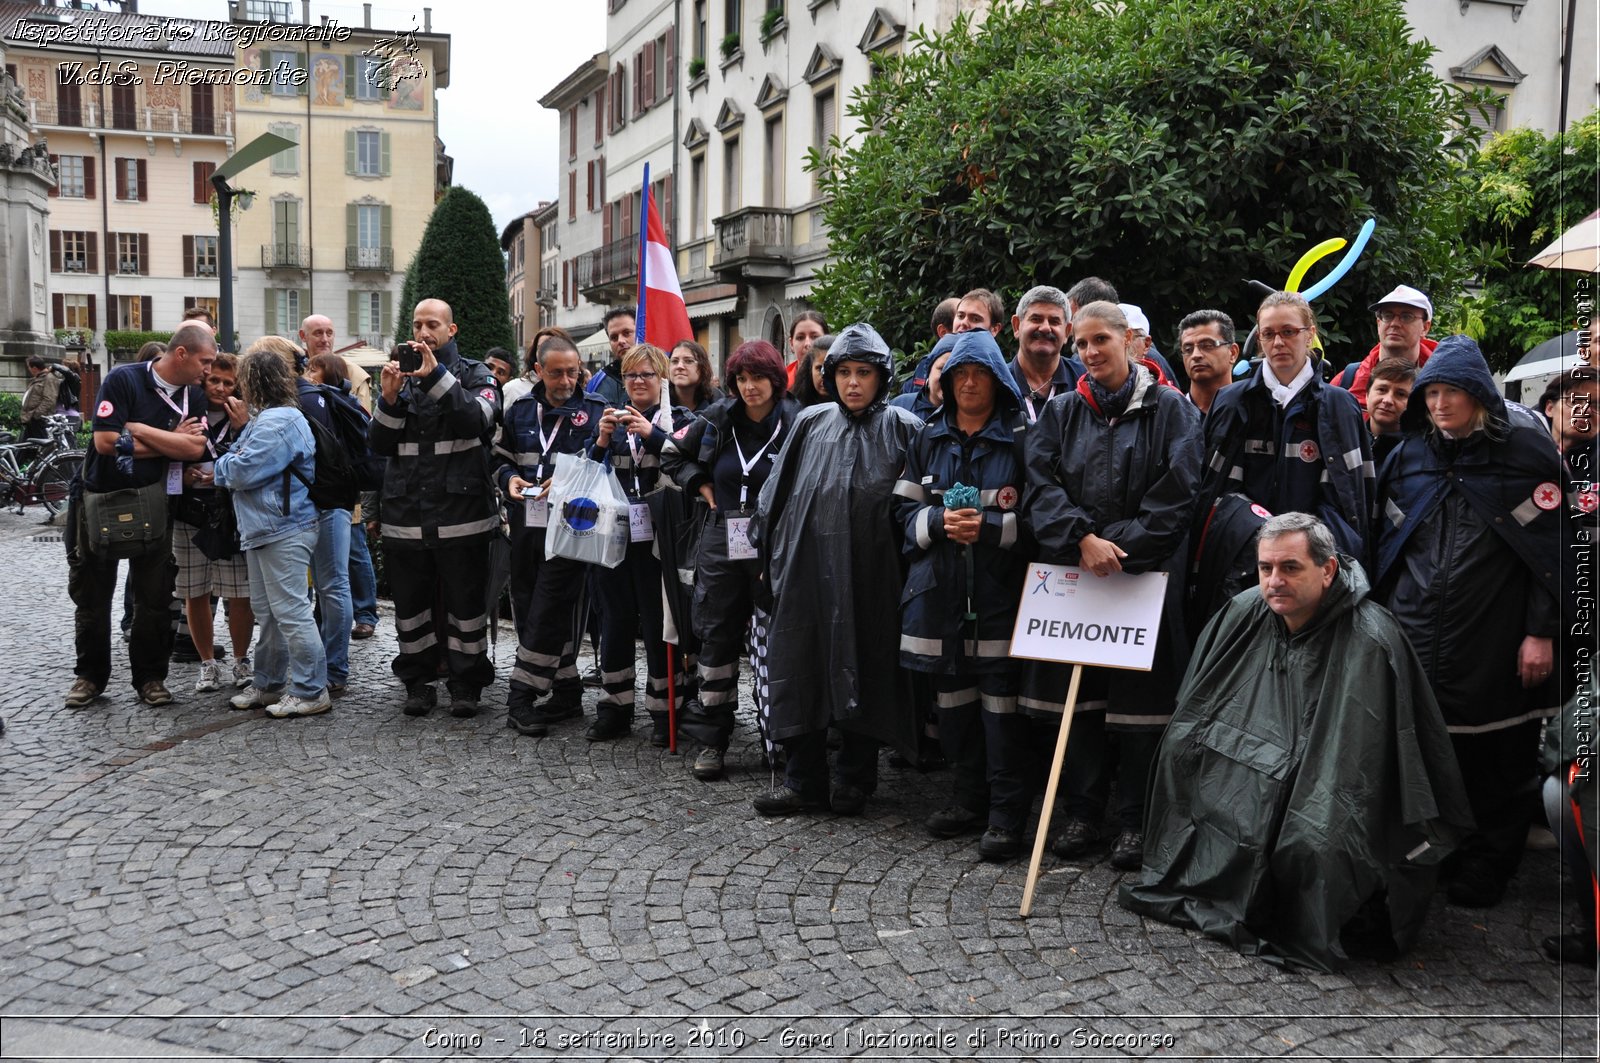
(1528, 190)
(459, 261)
(1174, 147)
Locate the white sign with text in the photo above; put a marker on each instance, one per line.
(1071, 615)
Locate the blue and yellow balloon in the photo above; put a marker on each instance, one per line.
(1322, 251)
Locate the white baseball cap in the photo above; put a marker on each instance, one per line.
(1136, 319)
(1405, 295)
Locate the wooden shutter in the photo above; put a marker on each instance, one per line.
(90, 240)
(144, 254)
(188, 256)
(121, 175)
(269, 308)
(572, 132)
(605, 225)
(146, 312)
(88, 177)
(385, 225)
(648, 72)
(386, 311)
(94, 322)
(638, 84)
(599, 115)
(305, 302)
(591, 186)
(350, 151)
(55, 189)
(58, 311)
(353, 311)
(112, 265)
(572, 195)
(111, 314)
(144, 182)
(55, 253)
(202, 181)
(304, 87)
(669, 41)
(383, 154)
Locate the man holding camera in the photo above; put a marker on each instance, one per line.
(435, 416)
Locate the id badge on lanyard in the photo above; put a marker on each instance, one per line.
(739, 548)
(640, 527)
(174, 468)
(535, 509)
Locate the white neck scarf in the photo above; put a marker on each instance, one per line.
(1283, 393)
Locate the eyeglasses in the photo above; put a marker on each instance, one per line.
(639, 378)
(1205, 346)
(1405, 317)
(1267, 335)
(560, 374)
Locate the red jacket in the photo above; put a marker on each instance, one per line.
(1356, 382)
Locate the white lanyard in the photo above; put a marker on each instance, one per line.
(544, 440)
(181, 411)
(1033, 415)
(746, 465)
(637, 450)
(222, 433)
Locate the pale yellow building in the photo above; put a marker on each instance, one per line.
(335, 220)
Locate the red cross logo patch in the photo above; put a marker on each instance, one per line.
(1260, 511)
(104, 409)
(1547, 496)
(1309, 452)
(680, 433)
(1006, 497)
(1588, 501)
(490, 395)
(580, 418)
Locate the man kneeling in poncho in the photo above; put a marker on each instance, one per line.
(1305, 790)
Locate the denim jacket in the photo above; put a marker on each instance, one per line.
(255, 471)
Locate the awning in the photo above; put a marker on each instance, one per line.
(713, 308)
(595, 345)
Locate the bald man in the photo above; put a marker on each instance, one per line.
(435, 424)
(316, 336)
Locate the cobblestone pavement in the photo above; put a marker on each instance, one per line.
(363, 885)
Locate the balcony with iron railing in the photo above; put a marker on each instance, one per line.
(369, 258)
(285, 256)
(167, 120)
(754, 244)
(611, 272)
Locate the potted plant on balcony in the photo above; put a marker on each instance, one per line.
(697, 68)
(730, 46)
(771, 23)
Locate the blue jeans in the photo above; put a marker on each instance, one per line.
(363, 581)
(288, 647)
(330, 571)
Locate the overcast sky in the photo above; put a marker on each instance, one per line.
(503, 57)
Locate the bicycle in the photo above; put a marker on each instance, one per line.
(40, 470)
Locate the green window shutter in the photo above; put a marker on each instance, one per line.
(350, 151)
(300, 64)
(350, 68)
(386, 311)
(355, 314)
(271, 310)
(305, 306)
(383, 153)
(352, 234)
(385, 226)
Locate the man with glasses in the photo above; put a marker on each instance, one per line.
(620, 331)
(1208, 346)
(1285, 440)
(1404, 317)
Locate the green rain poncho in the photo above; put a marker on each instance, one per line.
(1301, 776)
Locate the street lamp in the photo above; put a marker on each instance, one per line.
(263, 147)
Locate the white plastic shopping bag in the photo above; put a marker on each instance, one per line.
(588, 513)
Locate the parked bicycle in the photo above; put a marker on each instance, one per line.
(40, 471)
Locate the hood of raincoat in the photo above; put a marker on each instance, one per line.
(1457, 361)
(979, 348)
(860, 343)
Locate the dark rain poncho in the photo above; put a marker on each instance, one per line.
(826, 532)
(1300, 776)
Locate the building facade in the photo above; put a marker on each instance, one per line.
(136, 121)
(580, 100)
(524, 272)
(336, 219)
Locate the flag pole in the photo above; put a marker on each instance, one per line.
(644, 235)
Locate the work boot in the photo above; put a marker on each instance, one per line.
(526, 720)
(1076, 839)
(786, 802)
(999, 844)
(420, 699)
(609, 725)
(954, 821)
(1127, 852)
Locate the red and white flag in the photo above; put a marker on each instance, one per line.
(662, 319)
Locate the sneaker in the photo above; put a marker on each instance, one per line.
(420, 699)
(708, 765)
(298, 706)
(244, 672)
(1075, 839)
(82, 692)
(1127, 852)
(256, 698)
(210, 677)
(998, 844)
(155, 692)
(954, 821)
(786, 802)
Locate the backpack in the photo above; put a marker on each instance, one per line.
(334, 486)
(351, 421)
(71, 386)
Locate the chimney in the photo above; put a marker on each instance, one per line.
(305, 12)
(366, 16)
(427, 20)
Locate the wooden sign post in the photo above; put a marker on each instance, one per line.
(1074, 617)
